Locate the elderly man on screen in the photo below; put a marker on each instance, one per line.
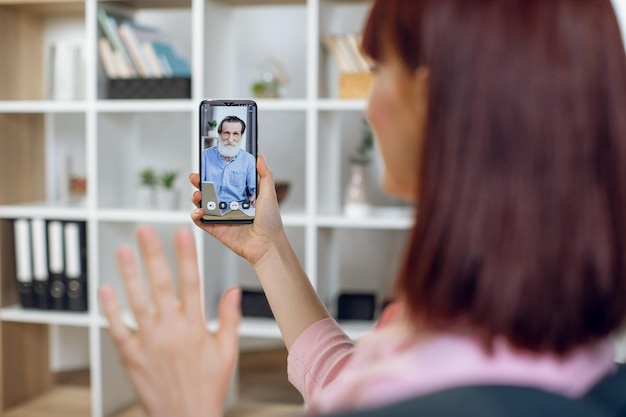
(230, 168)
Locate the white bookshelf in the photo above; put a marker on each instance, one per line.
(115, 139)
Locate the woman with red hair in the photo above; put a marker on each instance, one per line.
(503, 120)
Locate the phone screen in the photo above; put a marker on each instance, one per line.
(228, 152)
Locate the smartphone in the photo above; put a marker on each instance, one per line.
(228, 154)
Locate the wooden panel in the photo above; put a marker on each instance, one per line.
(8, 283)
(25, 362)
(47, 7)
(20, 46)
(22, 161)
(23, 347)
(68, 401)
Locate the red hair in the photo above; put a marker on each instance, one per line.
(521, 224)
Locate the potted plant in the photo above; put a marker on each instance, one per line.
(356, 194)
(211, 137)
(146, 192)
(167, 195)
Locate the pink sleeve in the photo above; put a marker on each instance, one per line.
(317, 356)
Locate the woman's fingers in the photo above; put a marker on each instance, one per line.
(121, 335)
(133, 285)
(188, 275)
(157, 269)
(229, 315)
(194, 178)
(266, 175)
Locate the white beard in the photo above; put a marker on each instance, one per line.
(228, 151)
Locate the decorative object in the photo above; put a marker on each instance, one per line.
(356, 196)
(167, 195)
(146, 192)
(273, 77)
(149, 88)
(78, 189)
(282, 189)
(356, 306)
(355, 85)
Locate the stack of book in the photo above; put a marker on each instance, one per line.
(51, 263)
(355, 68)
(131, 54)
(346, 52)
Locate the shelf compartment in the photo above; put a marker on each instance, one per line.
(378, 253)
(158, 140)
(282, 142)
(42, 374)
(340, 134)
(32, 28)
(335, 18)
(234, 62)
(165, 22)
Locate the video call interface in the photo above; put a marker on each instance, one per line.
(228, 162)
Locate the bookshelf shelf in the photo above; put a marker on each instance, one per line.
(145, 106)
(16, 313)
(44, 210)
(42, 106)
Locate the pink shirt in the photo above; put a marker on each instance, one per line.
(332, 373)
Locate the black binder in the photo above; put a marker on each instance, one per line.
(23, 262)
(56, 265)
(39, 241)
(75, 235)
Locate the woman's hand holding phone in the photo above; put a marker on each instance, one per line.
(250, 241)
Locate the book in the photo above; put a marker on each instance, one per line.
(178, 65)
(108, 59)
(152, 59)
(332, 46)
(346, 52)
(76, 265)
(109, 28)
(66, 69)
(23, 262)
(56, 265)
(39, 243)
(354, 42)
(346, 49)
(135, 51)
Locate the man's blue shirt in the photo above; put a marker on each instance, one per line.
(235, 180)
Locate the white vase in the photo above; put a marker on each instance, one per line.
(356, 199)
(167, 199)
(145, 197)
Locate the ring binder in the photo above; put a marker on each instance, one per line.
(56, 267)
(23, 262)
(40, 263)
(76, 265)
